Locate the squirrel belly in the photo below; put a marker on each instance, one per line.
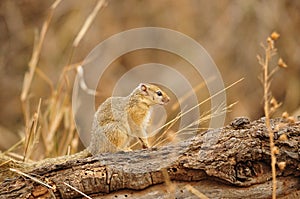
(119, 120)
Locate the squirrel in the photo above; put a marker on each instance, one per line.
(117, 122)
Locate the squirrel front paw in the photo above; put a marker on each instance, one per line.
(145, 144)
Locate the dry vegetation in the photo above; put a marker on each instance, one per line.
(270, 103)
(47, 40)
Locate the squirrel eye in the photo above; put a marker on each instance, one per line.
(159, 93)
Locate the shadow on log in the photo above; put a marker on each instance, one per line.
(230, 162)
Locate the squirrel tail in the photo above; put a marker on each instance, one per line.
(61, 159)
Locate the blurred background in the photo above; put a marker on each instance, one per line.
(230, 31)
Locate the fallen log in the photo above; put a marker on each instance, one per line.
(229, 162)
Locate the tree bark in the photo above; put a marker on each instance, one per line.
(230, 162)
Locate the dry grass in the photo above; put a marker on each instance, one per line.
(60, 33)
(196, 192)
(270, 103)
(171, 188)
(50, 130)
(78, 191)
(32, 178)
(193, 127)
(19, 18)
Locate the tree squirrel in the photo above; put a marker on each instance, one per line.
(119, 120)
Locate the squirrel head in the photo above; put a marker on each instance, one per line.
(152, 94)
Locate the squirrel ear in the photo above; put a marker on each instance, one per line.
(143, 88)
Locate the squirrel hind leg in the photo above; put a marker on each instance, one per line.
(119, 139)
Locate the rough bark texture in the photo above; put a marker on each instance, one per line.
(230, 162)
